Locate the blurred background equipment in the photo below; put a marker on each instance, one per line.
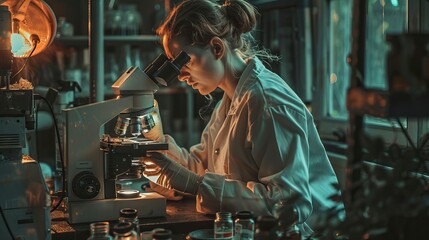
(26, 28)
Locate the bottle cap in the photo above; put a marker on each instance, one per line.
(244, 215)
(162, 234)
(223, 215)
(128, 212)
(123, 227)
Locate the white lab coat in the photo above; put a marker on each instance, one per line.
(258, 148)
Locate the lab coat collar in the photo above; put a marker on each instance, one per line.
(250, 73)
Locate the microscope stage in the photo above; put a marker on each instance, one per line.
(131, 145)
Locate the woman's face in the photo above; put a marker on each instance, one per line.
(204, 72)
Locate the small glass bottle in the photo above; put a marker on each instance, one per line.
(244, 226)
(130, 215)
(223, 225)
(99, 231)
(124, 231)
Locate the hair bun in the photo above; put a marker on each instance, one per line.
(241, 14)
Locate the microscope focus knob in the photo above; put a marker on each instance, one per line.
(85, 185)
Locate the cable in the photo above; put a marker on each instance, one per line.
(36, 130)
(7, 224)
(59, 149)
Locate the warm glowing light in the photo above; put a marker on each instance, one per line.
(128, 193)
(17, 42)
(31, 18)
(21, 45)
(335, 17)
(333, 78)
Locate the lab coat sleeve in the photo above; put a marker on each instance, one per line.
(186, 159)
(279, 146)
(195, 160)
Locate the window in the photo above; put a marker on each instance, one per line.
(339, 48)
(383, 17)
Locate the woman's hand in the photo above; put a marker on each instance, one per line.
(171, 174)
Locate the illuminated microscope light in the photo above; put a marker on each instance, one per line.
(128, 193)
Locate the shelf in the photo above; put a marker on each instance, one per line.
(108, 40)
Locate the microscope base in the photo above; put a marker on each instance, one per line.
(147, 205)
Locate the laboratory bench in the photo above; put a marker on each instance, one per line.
(181, 218)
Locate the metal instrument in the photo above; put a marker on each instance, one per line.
(97, 154)
(24, 199)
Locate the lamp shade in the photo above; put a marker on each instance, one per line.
(31, 18)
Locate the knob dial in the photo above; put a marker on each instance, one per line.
(85, 185)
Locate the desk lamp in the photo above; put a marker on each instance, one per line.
(27, 27)
(32, 20)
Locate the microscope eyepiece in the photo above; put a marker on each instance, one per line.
(171, 69)
(156, 64)
(181, 60)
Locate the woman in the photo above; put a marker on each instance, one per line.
(260, 145)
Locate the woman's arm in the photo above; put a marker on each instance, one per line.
(196, 160)
(280, 149)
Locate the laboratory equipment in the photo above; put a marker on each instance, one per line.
(98, 152)
(27, 27)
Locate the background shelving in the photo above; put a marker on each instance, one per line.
(67, 60)
(82, 40)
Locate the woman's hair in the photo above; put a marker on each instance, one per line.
(198, 21)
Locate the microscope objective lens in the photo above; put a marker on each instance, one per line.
(121, 126)
(148, 123)
(135, 126)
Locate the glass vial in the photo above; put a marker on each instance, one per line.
(244, 226)
(223, 225)
(130, 215)
(124, 231)
(99, 231)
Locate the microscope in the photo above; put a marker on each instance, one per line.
(24, 196)
(97, 158)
